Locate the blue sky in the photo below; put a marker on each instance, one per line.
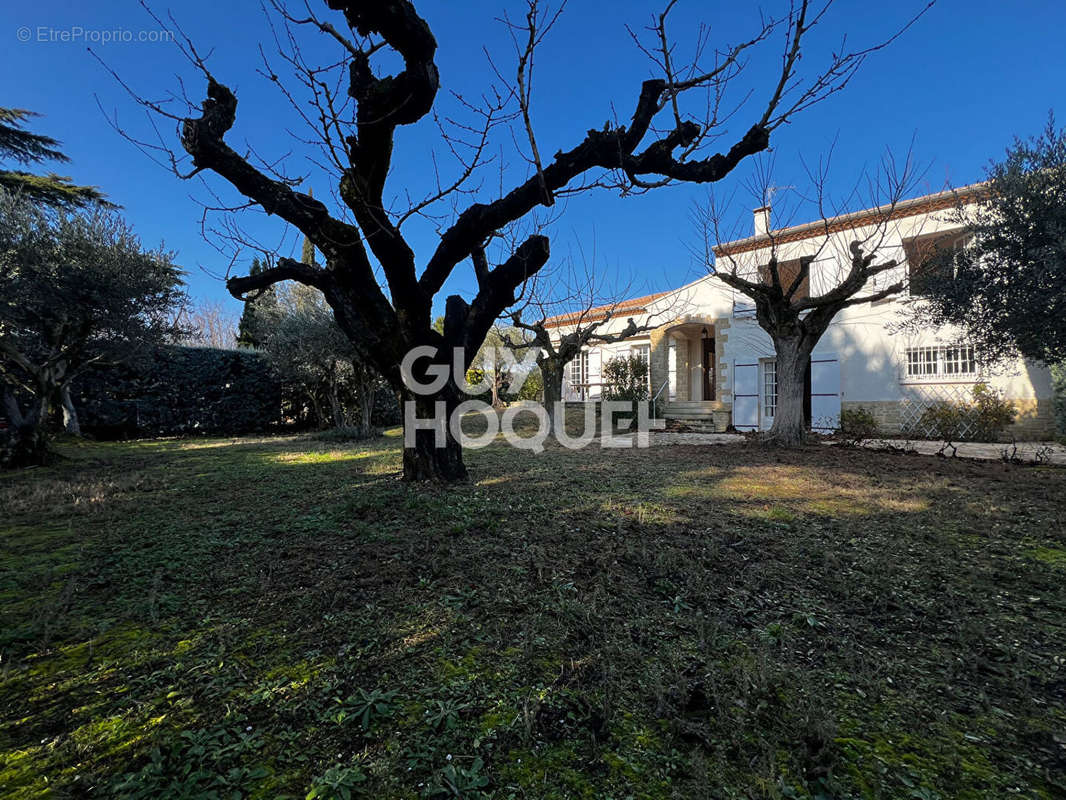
(961, 83)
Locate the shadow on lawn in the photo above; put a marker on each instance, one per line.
(276, 615)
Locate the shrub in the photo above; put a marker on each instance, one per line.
(857, 425)
(180, 390)
(982, 420)
(943, 420)
(625, 378)
(992, 413)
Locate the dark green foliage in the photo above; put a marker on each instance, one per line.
(254, 309)
(181, 390)
(77, 292)
(533, 388)
(23, 147)
(625, 378)
(857, 425)
(1007, 290)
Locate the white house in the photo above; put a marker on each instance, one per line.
(713, 367)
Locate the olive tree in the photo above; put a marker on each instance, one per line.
(77, 290)
(1007, 288)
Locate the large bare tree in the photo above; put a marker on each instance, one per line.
(667, 138)
(859, 265)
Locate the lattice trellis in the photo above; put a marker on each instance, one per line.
(919, 399)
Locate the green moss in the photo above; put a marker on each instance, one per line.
(1054, 556)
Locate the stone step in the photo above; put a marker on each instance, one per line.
(691, 425)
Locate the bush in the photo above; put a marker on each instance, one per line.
(944, 420)
(992, 413)
(179, 390)
(857, 425)
(625, 378)
(983, 420)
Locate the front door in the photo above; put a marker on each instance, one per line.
(708, 370)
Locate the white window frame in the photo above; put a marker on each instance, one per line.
(768, 405)
(579, 374)
(671, 368)
(940, 363)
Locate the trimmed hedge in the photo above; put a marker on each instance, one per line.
(174, 390)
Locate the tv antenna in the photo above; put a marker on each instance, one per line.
(768, 195)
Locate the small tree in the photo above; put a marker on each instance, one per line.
(262, 302)
(309, 350)
(490, 366)
(1007, 288)
(625, 379)
(76, 291)
(565, 311)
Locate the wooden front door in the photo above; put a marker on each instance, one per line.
(709, 380)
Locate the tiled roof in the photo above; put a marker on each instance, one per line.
(856, 219)
(636, 305)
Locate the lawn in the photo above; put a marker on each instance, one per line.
(283, 618)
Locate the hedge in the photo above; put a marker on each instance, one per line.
(173, 390)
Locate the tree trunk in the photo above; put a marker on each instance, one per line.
(790, 427)
(336, 407)
(316, 408)
(426, 459)
(366, 410)
(552, 377)
(70, 414)
(26, 444)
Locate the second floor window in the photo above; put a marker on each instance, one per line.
(929, 259)
(787, 273)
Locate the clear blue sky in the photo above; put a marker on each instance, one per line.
(966, 79)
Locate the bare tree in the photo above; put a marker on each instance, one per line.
(209, 324)
(856, 266)
(564, 311)
(353, 108)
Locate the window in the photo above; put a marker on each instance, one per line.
(929, 259)
(643, 352)
(952, 361)
(579, 373)
(769, 395)
(671, 368)
(787, 273)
